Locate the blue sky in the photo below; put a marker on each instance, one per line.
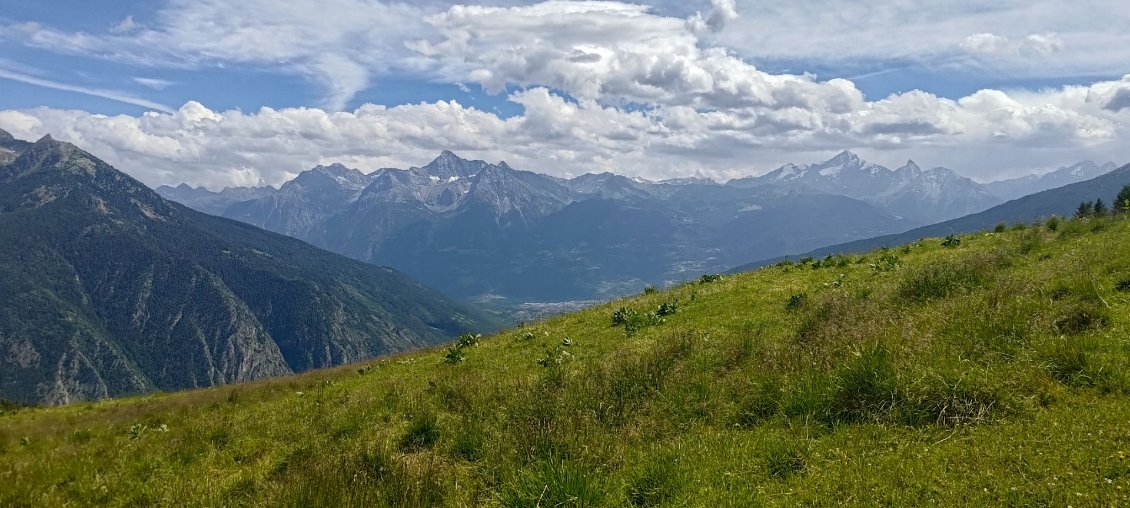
(719, 88)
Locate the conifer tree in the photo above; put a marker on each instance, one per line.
(1122, 202)
(1100, 208)
(1085, 210)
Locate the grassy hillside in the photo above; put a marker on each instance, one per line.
(983, 370)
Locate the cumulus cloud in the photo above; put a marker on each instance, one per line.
(612, 52)
(562, 136)
(721, 12)
(603, 85)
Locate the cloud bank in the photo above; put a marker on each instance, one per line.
(602, 85)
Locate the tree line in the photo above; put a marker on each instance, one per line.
(1098, 208)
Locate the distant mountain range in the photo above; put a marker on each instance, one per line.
(922, 196)
(1062, 201)
(476, 229)
(1031, 184)
(107, 289)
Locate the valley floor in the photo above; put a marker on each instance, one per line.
(989, 369)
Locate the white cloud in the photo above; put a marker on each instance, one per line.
(707, 108)
(1037, 44)
(339, 43)
(154, 83)
(721, 13)
(611, 52)
(986, 43)
(982, 135)
(1090, 34)
(113, 95)
(125, 26)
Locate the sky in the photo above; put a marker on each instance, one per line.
(251, 92)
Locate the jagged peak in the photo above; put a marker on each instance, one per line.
(6, 136)
(445, 157)
(46, 139)
(845, 157)
(336, 168)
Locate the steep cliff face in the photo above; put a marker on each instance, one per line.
(107, 289)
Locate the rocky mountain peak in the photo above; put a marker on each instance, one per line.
(845, 158)
(449, 165)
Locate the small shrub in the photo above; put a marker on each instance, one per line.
(422, 434)
(469, 339)
(623, 316)
(951, 241)
(633, 321)
(1123, 286)
(1052, 224)
(887, 262)
(1001, 228)
(796, 302)
(650, 290)
(709, 278)
(555, 357)
(455, 354)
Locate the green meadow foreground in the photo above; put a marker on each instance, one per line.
(987, 369)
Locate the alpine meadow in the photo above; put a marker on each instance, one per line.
(840, 379)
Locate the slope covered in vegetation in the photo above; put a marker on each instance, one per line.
(986, 369)
(107, 289)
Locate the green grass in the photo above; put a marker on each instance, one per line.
(992, 371)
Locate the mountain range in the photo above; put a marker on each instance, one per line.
(474, 229)
(1031, 184)
(1061, 201)
(108, 289)
(922, 196)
